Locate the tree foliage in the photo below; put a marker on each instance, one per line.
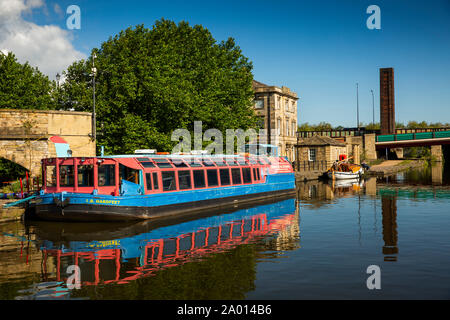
(22, 86)
(152, 81)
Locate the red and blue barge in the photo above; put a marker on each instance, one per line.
(146, 186)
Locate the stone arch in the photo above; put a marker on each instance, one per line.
(15, 169)
(26, 153)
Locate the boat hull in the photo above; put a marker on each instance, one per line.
(59, 211)
(340, 175)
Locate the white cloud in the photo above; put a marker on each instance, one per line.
(47, 47)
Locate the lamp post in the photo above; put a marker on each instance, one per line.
(58, 77)
(357, 106)
(94, 71)
(373, 109)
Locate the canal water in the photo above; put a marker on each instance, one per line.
(320, 244)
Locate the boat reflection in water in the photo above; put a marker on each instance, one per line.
(119, 254)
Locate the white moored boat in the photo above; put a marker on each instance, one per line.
(343, 170)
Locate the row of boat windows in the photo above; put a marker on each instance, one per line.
(85, 174)
(165, 163)
(106, 177)
(200, 179)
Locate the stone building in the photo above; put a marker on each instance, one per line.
(319, 152)
(281, 120)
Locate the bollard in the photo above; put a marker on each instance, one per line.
(21, 189)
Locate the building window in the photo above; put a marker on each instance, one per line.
(259, 103)
(312, 154)
(278, 105)
(286, 105)
(278, 126)
(294, 129)
(287, 127)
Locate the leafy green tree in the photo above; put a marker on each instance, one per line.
(153, 81)
(322, 126)
(22, 86)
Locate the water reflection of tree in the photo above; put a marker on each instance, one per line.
(227, 275)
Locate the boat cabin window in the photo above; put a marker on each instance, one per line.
(236, 175)
(212, 177)
(184, 180)
(193, 162)
(162, 163)
(208, 163)
(50, 179)
(148, 164)
(246, 174)
(126, 173)
(168, 180)
(86, 175)
(155, 180)
(148, 178)
(220, 163)
(107, 175)
(199, 179)
(179, 163)
(231, 162)
(255, 175)
(225, 177)
(66, 176)
(241, 161)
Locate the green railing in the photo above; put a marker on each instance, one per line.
(413, 136)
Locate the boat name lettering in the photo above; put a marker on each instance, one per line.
(99, 201)
(100, 244)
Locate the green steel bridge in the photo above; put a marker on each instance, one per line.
(413, 138)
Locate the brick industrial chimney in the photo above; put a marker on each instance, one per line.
(387, 105)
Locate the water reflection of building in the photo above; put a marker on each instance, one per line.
(437, 170)
(318, 193)
(287, 236)
(390, 235)
(19, 258)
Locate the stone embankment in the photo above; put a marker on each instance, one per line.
(301, 176)
(10, 214)
(394, 166)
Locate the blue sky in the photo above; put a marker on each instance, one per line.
(319, 49)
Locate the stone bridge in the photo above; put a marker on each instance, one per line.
(24, 135)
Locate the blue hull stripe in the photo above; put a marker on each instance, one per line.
(276, 182)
